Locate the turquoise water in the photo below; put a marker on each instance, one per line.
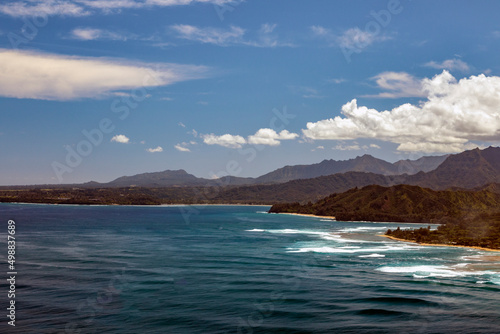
(221, 269)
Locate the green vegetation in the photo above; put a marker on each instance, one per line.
(482, 230)
(469, 218)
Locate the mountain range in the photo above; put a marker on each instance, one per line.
(475, 170)
(365, 163)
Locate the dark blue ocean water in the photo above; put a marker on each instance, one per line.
(220, 269)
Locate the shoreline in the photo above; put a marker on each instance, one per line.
(439, 245)
(305, 215)
(136, 205)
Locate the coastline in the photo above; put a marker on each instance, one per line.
(305, 215)
(134, 205)
(439, 245)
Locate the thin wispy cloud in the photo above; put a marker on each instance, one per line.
(449, 64)
(217, 36)
(77, 8)
(350, 39)
(232, 35)
(90, 34)
(182, 147)
(455, 114)
(45, 76)
(306, 92)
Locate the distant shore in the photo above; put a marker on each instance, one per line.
(439, 245)
(305, 215)
(138, 205)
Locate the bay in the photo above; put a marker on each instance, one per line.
(237, 269)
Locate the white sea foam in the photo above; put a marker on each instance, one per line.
(374, 255)
(362, 229)
(255, 230)
(350, 250)
(424, 271)
(323, 235)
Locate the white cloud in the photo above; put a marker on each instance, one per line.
(450, 64)
(353, 39)
(341, 147)
(181, 124)
(42, 7)
(209, 35)
(155, 150)
(267, 28)
(226, 140)
(375, 146)
(398, 84)
(269, 137)
(306, 92)
(454, 115)
(89, 34)
(181, 148)
(232, 36)
(336, 80)
(121, 139)
(34, 75)
(356, 38)
(86, 7)
(320, 31)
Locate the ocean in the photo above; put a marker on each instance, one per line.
(235, 269)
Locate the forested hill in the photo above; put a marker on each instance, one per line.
(401, 203)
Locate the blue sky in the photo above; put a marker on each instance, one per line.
(93, 90)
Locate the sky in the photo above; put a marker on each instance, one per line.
(94, 89)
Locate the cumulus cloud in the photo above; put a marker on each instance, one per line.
(454, 114)
(398, 84)
(263, 136)
(155, 150)
(25, 8)
(270, 137)
(121, 139)
(375, 146)
(35, 75)
(226, 140)
(341, 147)
(449, 64)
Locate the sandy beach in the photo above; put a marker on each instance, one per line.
(440, 245)
(306, 215)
